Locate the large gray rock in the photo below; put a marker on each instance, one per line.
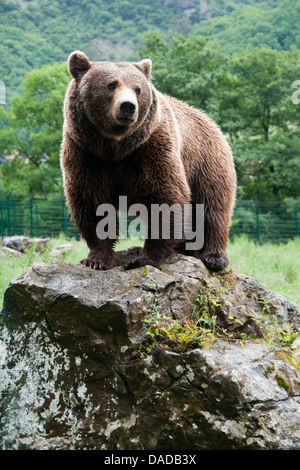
(72, 378)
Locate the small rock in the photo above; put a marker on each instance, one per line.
(17, 243)
(39, 244)
(21, 243)
(61, 250)
(12, 252)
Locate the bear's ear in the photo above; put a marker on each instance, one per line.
(78, 64)
(145, 66)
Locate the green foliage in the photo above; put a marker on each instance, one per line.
(32, 130)
(249, 95)
(266, 143)
(272, 23)
(190, 69)
(243, 81)
(206, 328)
(280, 335)
(205, 310)
(46, 32)
(174, 335)
(207, 325)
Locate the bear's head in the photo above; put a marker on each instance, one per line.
(115, 97)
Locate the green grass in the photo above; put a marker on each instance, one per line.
(276, 266)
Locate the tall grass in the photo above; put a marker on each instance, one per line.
(276, 266)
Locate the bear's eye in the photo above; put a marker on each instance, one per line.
(112, 86)
(138, 91)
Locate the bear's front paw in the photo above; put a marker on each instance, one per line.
(95, 263)
(215, 263)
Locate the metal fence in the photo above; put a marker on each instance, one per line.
(260, 221)
(35, 218)
(263, 222)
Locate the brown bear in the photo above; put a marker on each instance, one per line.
(122, 137)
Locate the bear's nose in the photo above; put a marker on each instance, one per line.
(127, 108)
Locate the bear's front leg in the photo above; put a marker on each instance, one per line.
(100, 257)
(100, 242)
(85, 194)
(84, 215)
(165, 233)
(164, 190)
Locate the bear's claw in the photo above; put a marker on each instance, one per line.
(95, 264)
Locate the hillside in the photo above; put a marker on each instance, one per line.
(256, 26)
(37, 32)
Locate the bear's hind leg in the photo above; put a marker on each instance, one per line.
(213, 253)
(215, 262)
(216, 228)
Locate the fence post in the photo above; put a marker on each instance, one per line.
(296, 221)
(37, 219)
(31, 217)
(257, 225)
(2, 220)
(63, 216)
(8, 215)
(15, 219)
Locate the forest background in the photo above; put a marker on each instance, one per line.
(238, 61)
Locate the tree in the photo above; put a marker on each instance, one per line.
(249, 95)
(32, 130)
(266, 139)
(189, 68)
(272, 23)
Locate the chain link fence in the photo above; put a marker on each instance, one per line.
(260, 221)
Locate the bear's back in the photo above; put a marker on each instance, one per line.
(202, 139)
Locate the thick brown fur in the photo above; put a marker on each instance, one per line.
(166, 152)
